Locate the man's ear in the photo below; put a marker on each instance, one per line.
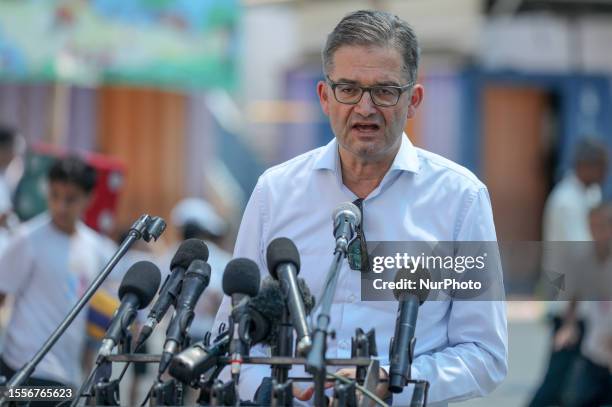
(415, 99)
(323, 92)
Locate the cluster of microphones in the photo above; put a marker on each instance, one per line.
(273, 311)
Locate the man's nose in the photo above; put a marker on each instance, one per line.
(366, 106)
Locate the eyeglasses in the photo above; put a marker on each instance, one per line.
(381, 95)
(357, 252)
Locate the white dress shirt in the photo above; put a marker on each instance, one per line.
(566, 214)
(461, 347)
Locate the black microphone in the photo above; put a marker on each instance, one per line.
(137, 289)
(266, 310)
(241, 282)
(284, 265)
(198, 359)
(401, 351)
(346, 218)
(196, 280)
(188, 251)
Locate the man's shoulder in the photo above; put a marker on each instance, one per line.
(436, 166)
(38, 225)
(95, 238)
(29, 235)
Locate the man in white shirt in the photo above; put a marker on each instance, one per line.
(370, 63)
(567, 208)
(46, 268)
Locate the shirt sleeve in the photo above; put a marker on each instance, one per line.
(16, 265)
(474, 361)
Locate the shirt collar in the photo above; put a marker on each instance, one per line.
(406, 158)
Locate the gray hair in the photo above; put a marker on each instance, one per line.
(590, 150)
(371, 27)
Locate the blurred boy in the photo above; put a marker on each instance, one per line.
(47, 267)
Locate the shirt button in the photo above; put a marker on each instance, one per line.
(343, 344)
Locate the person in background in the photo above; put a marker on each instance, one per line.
(589, 380)
(566, 219)
(46, 268)
(195, 218)
(567, 208)
(8, 219)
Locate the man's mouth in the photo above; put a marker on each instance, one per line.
(366, 127)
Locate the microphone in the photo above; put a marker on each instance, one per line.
(188, 251)
(241, 282)
(267, 321)
(346, 218)
(198, 359)
(137, 289)
(266, 310)
(284, 265)
(195, 282)
(401, 351)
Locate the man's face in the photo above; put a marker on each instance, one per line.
(368, 132)
(67, 203)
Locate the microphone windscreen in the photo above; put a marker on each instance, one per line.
(188, 251)
(419, 274)
(142, 280)
(348, 207)
(241, 276)
(282, 250)
(266, 311)
(307, 297)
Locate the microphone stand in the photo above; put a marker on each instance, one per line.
(282, 387)
(140, 229)
(169, 392)
(363, 345)
(105, 391)
(145, 227)
(315, 362)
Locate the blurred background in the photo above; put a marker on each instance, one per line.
(196, 98)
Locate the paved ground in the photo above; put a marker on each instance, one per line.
(528, 341)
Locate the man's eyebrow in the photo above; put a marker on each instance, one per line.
(383, 83)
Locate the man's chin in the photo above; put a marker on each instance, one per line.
(366, 152)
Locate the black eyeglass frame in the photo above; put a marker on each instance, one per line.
(333, 85)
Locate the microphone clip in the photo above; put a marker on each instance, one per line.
(148, 228)
(410, 356)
